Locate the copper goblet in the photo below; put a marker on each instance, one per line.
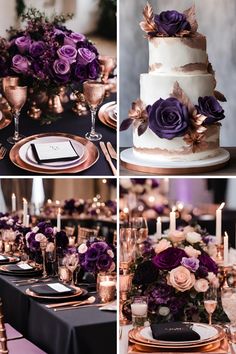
(94, 94)
(8, 81)
(16, 96)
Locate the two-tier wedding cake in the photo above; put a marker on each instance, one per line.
(177, 117)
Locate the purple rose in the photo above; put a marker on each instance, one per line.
(168, 118)
(171, 23)
(81, 72)
(190, 263)
(37, 49)
(92, 254)
(210, 107)
(85, 56)
(104, 262)
(61, 66)
(145, 273)
(89, 266)
(67, 52)
(20, 64)
(74, 38)
(100, 246)
(169, 259)
(23, 44)
(93, 70)
(207, 262)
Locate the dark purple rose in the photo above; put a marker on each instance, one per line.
(171, 23)
(104, 262)
(92, 254)
(100, 246)
(61, 66)
(20, 64)
(208, 262)
(61, 239)
(23, 44)
(168, 118)
(93, 70)
(210, 107)
(145, 273)
(89, 266)
(160, 295)
(37, 49)
(169, 259)
(202, 272)
(67, 52)
(81, 72)
(85, 56)
(190, 263)
(74, 38)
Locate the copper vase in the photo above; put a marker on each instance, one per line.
(54, 104)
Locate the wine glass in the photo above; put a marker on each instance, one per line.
(94, 94)
(71, 263)
(210, 302)
(16, 96)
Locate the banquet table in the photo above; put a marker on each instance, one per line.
(78, 331)
(68, 123)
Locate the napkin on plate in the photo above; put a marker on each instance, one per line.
(53, 152)
(3, 259)
(52, 289)
(173, 332)
(23, 267)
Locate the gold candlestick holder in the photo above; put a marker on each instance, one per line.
(225, 271)
(43, 246)
(219, 254)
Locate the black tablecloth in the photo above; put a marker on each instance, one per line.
(68, 123)
(80, 331)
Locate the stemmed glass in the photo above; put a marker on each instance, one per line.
(94, 92)
(71, 263)
(16, 96)
(210, 302)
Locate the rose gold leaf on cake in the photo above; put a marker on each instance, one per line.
(138, 110)
(195, 141)
(179, 93)
(148, 25)
(142, 128)
(183, 33)
(219, 96)
(191, 18)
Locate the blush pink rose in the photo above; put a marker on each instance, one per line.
(176, 236)
(213, 280)
(201, 285)
(191, 251)
(162, 245)
(181, 279)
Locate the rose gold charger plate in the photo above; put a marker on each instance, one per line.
(78, 292)
(6, 117)
(103, 115)
(91, 158)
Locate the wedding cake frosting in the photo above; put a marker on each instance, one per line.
(177, 116)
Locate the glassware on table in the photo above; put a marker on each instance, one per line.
(71, 261)
(139, 225)
(228, 299)
(210, 302)
(106, 287)
(16, 97)
(127, 248)
(94, 92)
(64, 274)
(139, 309)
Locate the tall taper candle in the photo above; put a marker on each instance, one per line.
(13, 202)
(59, 219)
(27, 220)
(219, 224)
(172, 220)
(226, 249)
(158, 228)
(25, 211)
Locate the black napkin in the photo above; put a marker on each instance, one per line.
(4, 259)
(45, 290)
(16, 268)
(173, 332)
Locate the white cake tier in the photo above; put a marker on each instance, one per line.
(155, 86)
(151, 147)
(172, 54)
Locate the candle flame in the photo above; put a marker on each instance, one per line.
(59, 210)
(13, 195)
(24, 200)
(226, 234)
(221, 206)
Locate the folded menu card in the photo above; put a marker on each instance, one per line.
(174, 332)
(52, 289)
(55, 151)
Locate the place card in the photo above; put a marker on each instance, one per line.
(24, 266)
(60, 288)
(55, 151)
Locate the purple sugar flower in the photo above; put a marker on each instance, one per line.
(210, 107)
(23, 44)
(85, 56)
(67, 52)
(37, 49)
(20, 64)
(171, 23)
(169, 259)
(190, 263)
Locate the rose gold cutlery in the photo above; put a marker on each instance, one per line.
(112, 151)
(108, 158)
(3, 152)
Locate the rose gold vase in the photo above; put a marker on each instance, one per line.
(54, 104)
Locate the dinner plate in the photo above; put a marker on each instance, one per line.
(112, 113)
(104, 116)
(78, 292)
(26, 153)
(91, 155)
(5, 116)
(21, 273)
(11, 260)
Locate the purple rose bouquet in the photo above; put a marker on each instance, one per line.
(175, 274)
(97, 257)
(46, 54)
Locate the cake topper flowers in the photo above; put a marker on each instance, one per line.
(169, 23)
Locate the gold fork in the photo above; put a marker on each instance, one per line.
(3, 152)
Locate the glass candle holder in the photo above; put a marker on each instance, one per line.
(139, 309)
(106, 286)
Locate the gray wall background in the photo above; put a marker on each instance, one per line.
(216, 19)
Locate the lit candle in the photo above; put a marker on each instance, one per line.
(219, 224)
(172, 220)
(59, 219)
(107, 290)
(49, 201)
(13, 202)
(158, 228)
(25, 211)
(27, 220)
(139, 309)
(226, 249)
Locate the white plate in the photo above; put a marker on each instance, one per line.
(205, 332)
(113, 113)
(26, 154)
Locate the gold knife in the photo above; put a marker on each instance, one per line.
(108, 158)
(112, 151)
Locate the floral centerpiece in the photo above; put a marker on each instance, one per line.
(176, 273)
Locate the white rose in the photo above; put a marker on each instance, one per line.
(35, 229)
(193, 237)
(176, 236)
(110, 253)
(201, 285)
(162, 245)
(192, 252)
(82, 248)
(40, 238)
(188, 229)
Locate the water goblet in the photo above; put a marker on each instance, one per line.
(210, 302)
(71, 263)
(16, 96)
(94, 94)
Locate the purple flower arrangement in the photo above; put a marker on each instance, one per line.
(175, 276)
(97, 257)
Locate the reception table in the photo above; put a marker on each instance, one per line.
(78, 331)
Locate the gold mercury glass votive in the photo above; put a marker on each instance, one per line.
(106, 285)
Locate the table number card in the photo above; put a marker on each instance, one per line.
(56, 151)
(60, 288)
